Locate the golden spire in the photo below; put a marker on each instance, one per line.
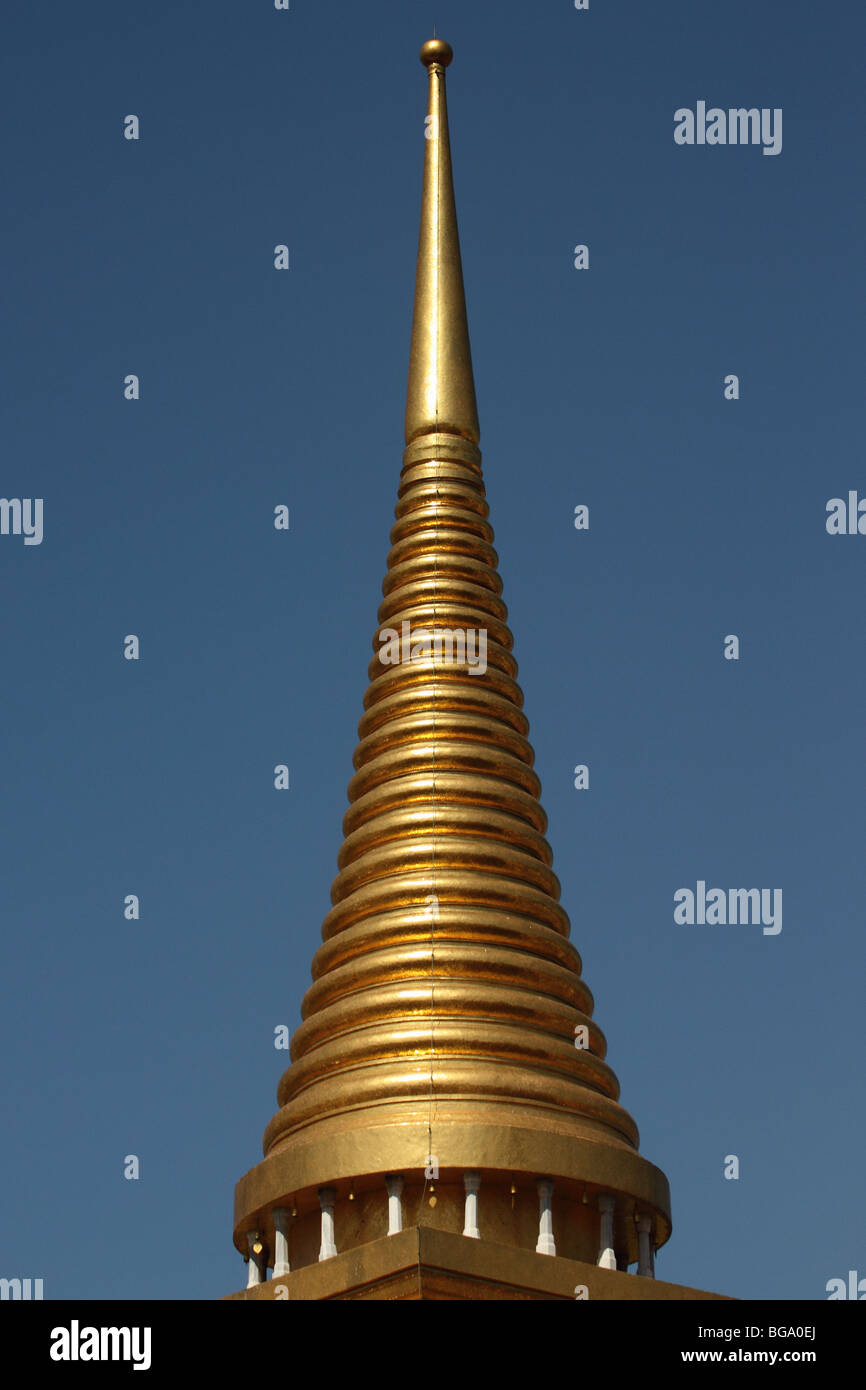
(448, 1035)
(441, 395)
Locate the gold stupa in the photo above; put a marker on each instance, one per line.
(448, 1126)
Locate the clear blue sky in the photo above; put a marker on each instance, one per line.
(604, 387)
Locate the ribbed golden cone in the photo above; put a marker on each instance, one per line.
(446, 995)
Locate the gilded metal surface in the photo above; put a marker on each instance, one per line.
(441, 394)
(445, 997)
(422, 1264)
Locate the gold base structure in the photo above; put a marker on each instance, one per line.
(448, 1127)
(422, 1264)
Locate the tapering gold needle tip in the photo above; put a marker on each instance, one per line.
(436, 51)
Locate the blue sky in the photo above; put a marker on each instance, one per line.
(603, 387)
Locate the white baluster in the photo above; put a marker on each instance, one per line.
(471, 1182)
(394, 1184)
(546, 1244)
(646, 1262)
(327, 1198)
(281, 1242)
(606, 1257)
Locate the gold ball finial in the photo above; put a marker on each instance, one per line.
(436, 51)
